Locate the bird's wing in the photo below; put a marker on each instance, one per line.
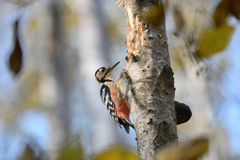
(107, 100)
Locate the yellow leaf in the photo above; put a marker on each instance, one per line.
(117, 153)
(192, 150)
(72, 150)
(155, 16)
(215, 40)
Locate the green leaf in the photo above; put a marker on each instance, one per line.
(117, 153)
(215, 40)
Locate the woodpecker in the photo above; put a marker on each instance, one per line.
(112, 98)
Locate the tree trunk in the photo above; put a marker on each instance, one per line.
(60, 115)
(150, 85)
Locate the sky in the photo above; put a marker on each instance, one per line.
(230, 113)
(36, 123)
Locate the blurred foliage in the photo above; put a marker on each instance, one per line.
(220, 13)
(225, 8)
(72, 150)
(215, 40)
(117, 153)
(165, 5)
(178, 18)
(178, 61)
(205, 39)
(21, 3)
(16, 57)
(32, 151)
(191, 150)
(29, 154)
(156, 15)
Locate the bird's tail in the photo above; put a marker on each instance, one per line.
(130, 123)
(126, 124)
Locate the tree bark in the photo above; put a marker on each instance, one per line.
(149, 90)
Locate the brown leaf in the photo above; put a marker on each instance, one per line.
(32, 150)
(234, 8)
(15, 59)
(29, 154)
(221, 12)
(215, 40)
(224, 8)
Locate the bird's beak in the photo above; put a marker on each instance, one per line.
(110, 69)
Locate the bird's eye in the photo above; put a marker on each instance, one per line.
(102, 70)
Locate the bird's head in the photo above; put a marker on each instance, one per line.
(104, 73)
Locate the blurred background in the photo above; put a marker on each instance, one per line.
(50, 106)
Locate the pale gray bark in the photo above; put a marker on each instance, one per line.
(150, 83)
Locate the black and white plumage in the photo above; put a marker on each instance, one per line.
(107, 100)
(112, 98)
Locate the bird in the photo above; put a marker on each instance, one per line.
(112, 97)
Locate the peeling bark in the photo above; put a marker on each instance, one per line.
(147, 82)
